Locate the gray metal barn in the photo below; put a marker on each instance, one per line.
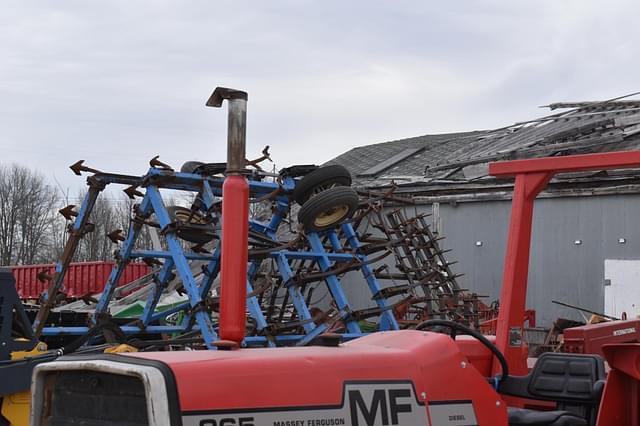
(581, 220)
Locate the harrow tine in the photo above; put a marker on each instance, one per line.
(116, 236)
(78, 167)
(43, 276)
(68, 212)
(199, 248)
(255, 163)
(157, 164)
(132, 192)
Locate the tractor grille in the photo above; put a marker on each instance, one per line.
(93, 398)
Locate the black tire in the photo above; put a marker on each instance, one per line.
(205, 169)
(328, 208)
(192, 228)
(190, 166)
(298, 170)
(319, 180)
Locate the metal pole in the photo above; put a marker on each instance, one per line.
(236, 137)
(578, 308)
(235, 219)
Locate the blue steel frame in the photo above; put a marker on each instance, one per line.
(176, 259)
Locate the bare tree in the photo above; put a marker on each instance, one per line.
(124, 213)
(35, 220)
(26, 215)
(109, 214)
(105, 217)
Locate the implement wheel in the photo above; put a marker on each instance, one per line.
(191, 227)
(328, 208)
(205, 169)
(319, 180)
(191, 166)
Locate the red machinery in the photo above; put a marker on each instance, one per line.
(591, 338)
(389, 378)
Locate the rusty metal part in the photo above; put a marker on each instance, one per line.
(157, 164)
(422, 273)
(272, 246)
(276, 329)
(199, 248)
(43, 276)
(374, 196)
(255, 163)
(78, 167)
(262, 287)
(85, 229)
(151, 262)
(68, 212)
(89, 299)
(270, 196)
(237, 125)
(132, 192)
(116, 236)
(78, 230)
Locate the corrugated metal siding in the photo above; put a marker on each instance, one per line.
(559, 268)
(81, 278)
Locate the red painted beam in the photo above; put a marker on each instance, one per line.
(509, 330)
(531, 176)
(571, 163)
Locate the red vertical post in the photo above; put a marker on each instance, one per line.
(233, 271)
(235, 219)
(509, 336)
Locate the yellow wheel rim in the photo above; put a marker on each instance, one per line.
(331, 216)
(184, 217)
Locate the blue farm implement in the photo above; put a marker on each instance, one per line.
(327, 240)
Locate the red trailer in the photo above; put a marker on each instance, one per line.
(82, 278)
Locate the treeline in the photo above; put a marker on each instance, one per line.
(32, 231)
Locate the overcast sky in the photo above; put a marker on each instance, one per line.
(117, 82)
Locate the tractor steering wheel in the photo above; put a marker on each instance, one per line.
(454, 326)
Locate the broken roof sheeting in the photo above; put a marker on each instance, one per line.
(361, 159)
(586, 127)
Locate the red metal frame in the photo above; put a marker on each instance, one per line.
(620, 403)
(531, 176)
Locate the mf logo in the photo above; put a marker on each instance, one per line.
(380, 406)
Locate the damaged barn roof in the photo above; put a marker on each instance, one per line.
(455, 165)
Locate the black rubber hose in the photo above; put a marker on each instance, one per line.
(77, 343)
(473, 333)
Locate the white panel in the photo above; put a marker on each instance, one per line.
(622, 294)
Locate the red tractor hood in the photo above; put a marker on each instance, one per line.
(429, 368)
